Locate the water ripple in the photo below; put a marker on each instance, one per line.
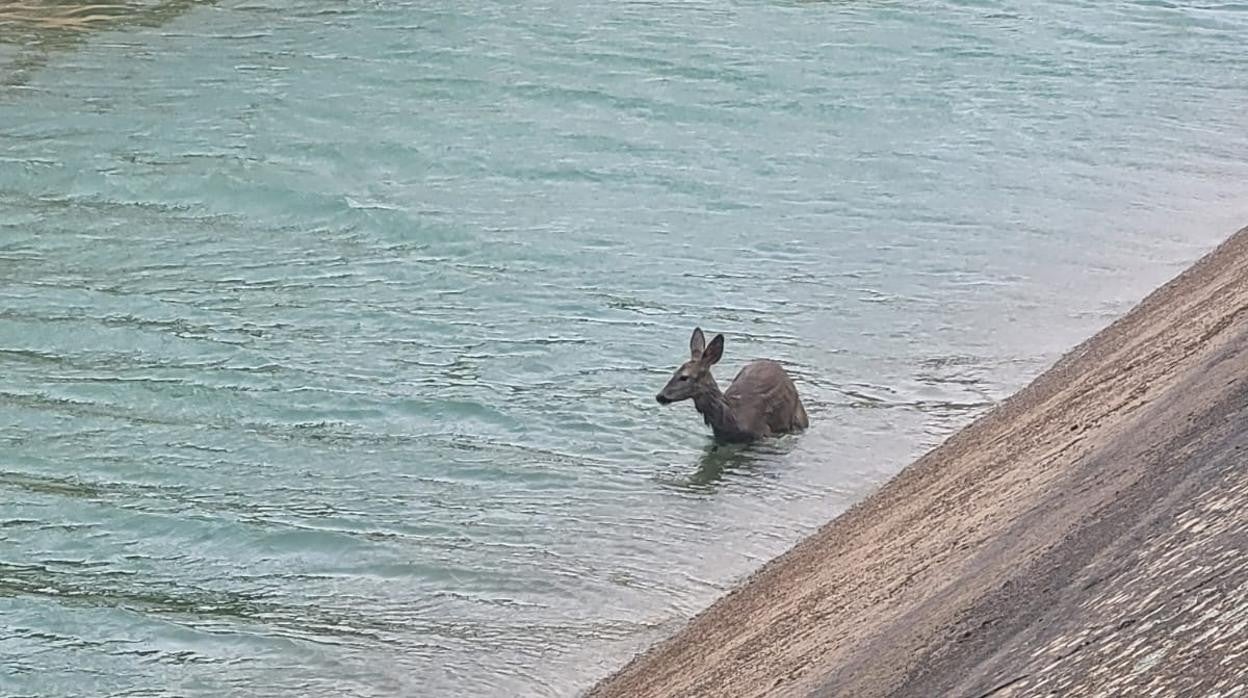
(330, 332)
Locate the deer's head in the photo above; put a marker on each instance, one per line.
(694, 373)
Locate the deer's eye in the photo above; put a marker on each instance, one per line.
(684, 378)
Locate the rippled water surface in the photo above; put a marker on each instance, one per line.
(329, 330)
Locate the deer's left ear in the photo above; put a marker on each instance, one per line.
(714, 351)
(697, 343)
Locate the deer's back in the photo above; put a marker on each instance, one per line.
(764, 399)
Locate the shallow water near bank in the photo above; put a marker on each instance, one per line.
(329, 333)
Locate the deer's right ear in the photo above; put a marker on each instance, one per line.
(697, 343)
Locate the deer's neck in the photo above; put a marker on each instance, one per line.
(715, 410)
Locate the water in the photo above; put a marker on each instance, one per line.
(329, 332)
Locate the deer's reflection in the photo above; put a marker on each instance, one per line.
(719, 460)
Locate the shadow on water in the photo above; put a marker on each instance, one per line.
(720, 460)
(42, 28)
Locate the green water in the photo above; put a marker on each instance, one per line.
(329, 331)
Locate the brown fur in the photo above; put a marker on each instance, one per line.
(761, 401)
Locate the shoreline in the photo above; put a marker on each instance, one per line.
(1088, 533)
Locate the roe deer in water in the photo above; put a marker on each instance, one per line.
(761, 401)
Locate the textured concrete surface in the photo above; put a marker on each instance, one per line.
(1087, 537)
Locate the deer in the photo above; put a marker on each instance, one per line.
(761, 401)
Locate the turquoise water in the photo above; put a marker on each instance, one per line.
(329, 332)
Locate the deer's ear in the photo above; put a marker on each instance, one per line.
(697, 343)
(714, 352)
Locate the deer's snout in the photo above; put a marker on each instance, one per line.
(662, 399)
